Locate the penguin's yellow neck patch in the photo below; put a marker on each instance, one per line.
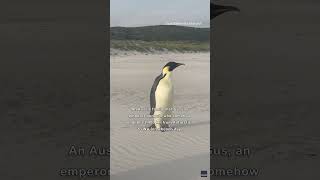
(165, 70)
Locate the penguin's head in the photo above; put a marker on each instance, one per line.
(217, 10)
(170, 66)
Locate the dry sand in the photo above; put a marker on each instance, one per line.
(159, 155)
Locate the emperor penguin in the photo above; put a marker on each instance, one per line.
(216, 10)
(161, 97)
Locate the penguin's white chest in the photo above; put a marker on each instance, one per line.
(164, 93)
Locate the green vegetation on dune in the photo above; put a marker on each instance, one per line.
(160, 38)
(151, 46)
(160, 33)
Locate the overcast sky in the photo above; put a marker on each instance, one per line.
(130, 13)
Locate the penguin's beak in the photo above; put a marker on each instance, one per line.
(216, 10)
(179, 64)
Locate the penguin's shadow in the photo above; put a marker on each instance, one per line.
(201, 123)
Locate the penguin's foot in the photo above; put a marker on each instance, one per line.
(152, 126)
(164, 127)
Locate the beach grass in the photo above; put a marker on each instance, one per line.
(153, 46)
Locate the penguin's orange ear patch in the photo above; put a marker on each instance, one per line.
(165, 70)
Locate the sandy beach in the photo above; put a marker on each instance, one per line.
(137, 154)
